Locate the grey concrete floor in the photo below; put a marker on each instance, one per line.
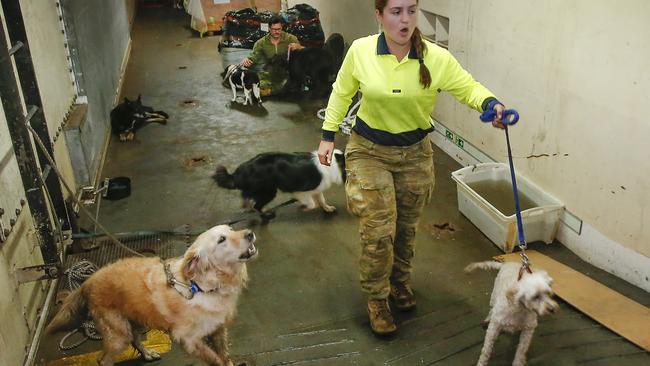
(304, 305)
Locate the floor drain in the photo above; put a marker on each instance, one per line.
(182, 67)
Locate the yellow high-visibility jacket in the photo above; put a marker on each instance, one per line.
(395, 109)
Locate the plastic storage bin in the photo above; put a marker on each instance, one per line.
(540, 220)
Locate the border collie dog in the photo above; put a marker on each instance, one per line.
(239, 77)
(130, 115)
(300, 174)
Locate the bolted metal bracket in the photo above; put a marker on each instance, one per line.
(38, 273)
(67, 238)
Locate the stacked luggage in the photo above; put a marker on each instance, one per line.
(243, 27)
(303, 21)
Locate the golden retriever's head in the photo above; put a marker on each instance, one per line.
(219, 249)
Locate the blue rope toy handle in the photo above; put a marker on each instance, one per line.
(509, 118)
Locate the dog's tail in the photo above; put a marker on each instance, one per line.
(223, 178)
(72, 314)
(484, 265)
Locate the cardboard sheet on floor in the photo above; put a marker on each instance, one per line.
(156, 341)
(623, 316)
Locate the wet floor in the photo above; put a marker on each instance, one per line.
(304, 305)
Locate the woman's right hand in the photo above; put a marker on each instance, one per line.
(325, 150)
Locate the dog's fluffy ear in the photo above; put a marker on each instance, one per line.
(126, 100)
(192, 264)
(139, 98)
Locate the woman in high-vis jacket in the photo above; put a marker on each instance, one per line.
(388, 156)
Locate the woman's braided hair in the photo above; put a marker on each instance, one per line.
(418, 44)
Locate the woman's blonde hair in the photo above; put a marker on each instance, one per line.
(418, 44)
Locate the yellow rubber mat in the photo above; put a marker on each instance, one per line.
(621, 315)
(156, 341)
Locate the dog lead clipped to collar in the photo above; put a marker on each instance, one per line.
(192, 287)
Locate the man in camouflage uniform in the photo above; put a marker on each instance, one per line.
(277, 42)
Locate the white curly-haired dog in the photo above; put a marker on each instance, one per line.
(518, 297)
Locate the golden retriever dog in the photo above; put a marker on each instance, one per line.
(193, 297)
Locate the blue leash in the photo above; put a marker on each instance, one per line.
(509, 118)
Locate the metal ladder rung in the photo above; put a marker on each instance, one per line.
(30, 113)
(15, 48)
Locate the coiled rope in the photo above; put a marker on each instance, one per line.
(348, 120)
(75, 276)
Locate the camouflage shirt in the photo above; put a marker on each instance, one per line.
(264, 49)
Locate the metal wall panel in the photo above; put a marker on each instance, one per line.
(47, 47)
(11, 185)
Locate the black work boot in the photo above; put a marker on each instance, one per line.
(403, 296)
(381, 320)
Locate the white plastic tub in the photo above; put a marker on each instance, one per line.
(541, 220)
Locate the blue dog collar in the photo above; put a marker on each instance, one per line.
(194, 288)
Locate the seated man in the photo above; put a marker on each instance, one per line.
(276, 42)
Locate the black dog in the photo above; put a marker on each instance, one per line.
(239, 77)
(312, 67)
(335, 45)
(300, 174)
(131, 115)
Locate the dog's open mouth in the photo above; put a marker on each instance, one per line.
(249, 254)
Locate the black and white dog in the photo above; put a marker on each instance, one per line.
(239, 77)
(130, 115)
(300, 174)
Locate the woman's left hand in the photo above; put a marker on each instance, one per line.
(497, 122)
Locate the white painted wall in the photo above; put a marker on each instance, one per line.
(578, 74)
(353, 19)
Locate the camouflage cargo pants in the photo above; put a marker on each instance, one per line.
(274, 83)
(387, 187)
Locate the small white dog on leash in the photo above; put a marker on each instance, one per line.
(518, 298)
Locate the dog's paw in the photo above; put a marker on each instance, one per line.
(130, 136)
(329, 208)
(305, 208)
(122, 137)
(150, 355)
